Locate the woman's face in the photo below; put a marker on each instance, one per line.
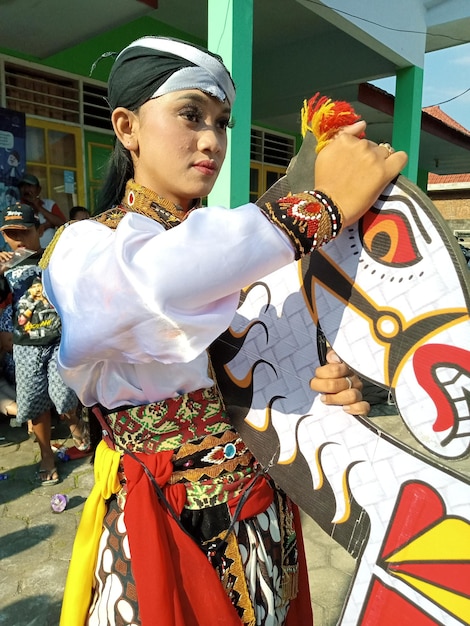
(181, 145)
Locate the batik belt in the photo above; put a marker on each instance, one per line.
(209, 457)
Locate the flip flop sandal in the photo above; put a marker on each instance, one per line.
(46, 476)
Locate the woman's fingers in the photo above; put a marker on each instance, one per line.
(327, 380)
(357, 129)
(357, 408)
(336, 392)
(338, 385)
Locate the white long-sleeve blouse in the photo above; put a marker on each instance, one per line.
(140, 304)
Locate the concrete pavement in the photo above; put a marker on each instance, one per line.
(35, 542)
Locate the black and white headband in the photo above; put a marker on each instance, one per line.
(153, 66)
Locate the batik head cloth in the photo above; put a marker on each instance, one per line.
(153, 66)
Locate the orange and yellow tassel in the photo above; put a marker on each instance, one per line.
(324, 117)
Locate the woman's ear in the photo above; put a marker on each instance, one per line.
(125, 124)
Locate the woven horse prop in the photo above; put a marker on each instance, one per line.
(391, 295)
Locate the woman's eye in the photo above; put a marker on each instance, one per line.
(192, 115)
(224, 123)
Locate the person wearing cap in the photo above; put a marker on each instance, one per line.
(183, 526)
(36, 333)
(46, 210)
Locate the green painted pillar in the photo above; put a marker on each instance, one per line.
(230, 34)
(422, 181)
(407, 117)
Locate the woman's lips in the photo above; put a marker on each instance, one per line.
(208, 168)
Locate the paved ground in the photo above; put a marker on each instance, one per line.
(35, 543)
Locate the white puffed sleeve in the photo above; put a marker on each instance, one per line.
(141, 293)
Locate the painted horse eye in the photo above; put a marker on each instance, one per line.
(388, 238)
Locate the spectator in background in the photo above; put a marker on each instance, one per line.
(7, 367)
(36, 335)
(6, 341)
(46, 210)
(79, 213)
(7, 398)
(8, 196)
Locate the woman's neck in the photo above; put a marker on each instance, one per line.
(142, 200)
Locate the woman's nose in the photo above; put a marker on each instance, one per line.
(210, 139)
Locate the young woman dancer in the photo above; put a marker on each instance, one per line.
(182, 526)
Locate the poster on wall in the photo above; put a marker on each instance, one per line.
(12, 155)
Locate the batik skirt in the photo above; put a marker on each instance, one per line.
(244, 527)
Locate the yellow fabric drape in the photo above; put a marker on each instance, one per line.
(77, 594)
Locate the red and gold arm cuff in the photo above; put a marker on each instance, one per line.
(310, 219)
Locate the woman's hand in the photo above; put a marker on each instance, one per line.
(338, 385)
(353, 172)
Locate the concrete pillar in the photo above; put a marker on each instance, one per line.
(230, 34)
(407, 117)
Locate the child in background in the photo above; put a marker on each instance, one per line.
(36, 336)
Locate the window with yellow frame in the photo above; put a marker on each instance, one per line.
(97, 157)
(262, 177)
(53, 154)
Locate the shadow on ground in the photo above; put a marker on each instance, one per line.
(33, 611)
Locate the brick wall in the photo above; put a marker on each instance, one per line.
(455, 210)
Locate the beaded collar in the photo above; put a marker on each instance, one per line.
(145, 201)
(138, 199)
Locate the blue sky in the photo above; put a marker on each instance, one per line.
(446, 75)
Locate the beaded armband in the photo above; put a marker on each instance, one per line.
(310, 219)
